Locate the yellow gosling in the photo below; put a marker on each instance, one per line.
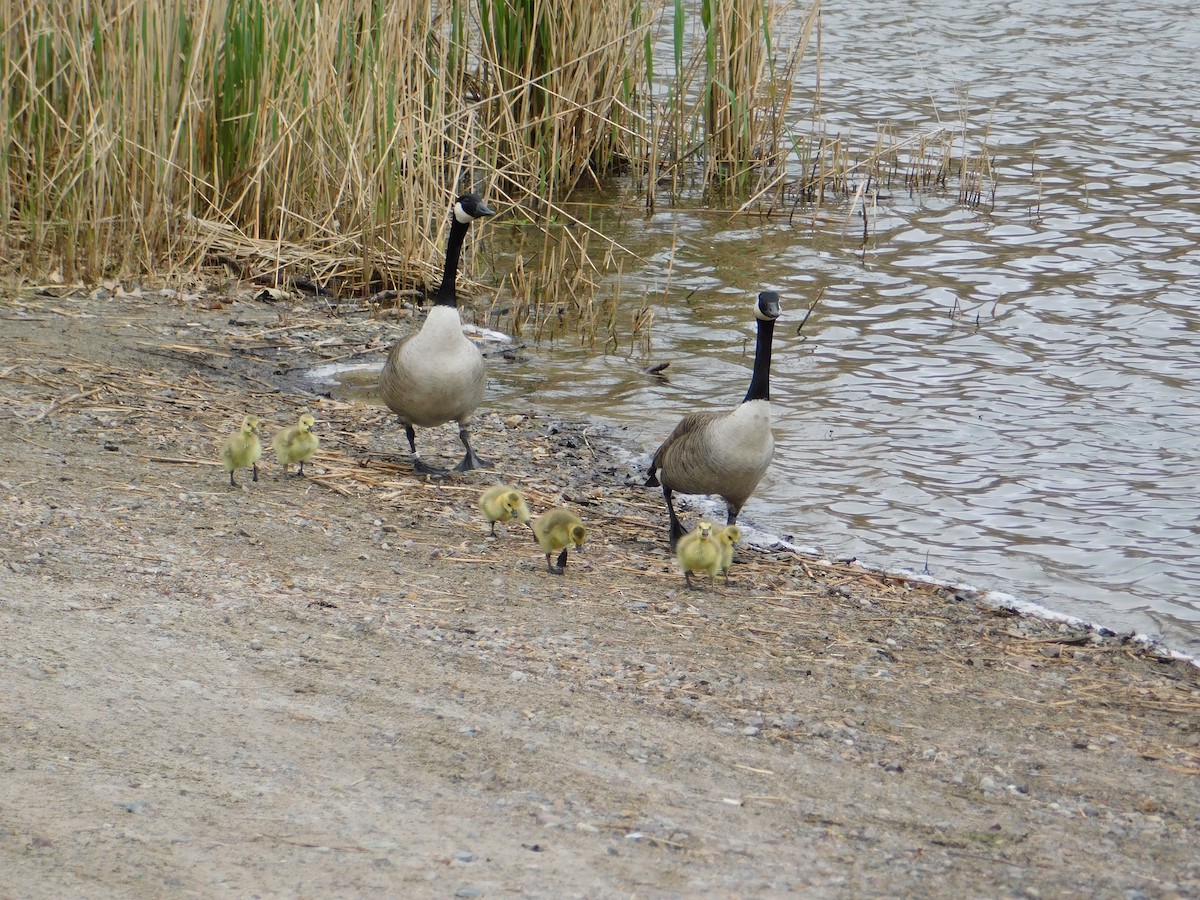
(558, 529)
(242, 449)
(295, 444)
(726, 537)
(697, 551)
(502, 503)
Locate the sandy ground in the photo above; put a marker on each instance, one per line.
(342, 686)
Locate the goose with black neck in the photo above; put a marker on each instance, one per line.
(723, 452)
(437, 375)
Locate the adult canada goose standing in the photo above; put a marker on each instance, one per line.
(437, 374)
(723, 452)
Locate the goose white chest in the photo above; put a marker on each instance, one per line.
(438, 374)
(741, 442)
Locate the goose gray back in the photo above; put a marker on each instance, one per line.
(723, 452)
(437, 375)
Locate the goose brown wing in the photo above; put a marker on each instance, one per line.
(687, 428)
(390, 386)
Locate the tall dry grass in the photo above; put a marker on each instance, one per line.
(326, 138)
(322, 135)
(165, 133)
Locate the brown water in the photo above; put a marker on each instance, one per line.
(1007, 396)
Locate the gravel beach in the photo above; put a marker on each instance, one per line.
(341, 685)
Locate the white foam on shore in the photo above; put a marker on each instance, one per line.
(330, 371)
(486, 334)
(998, 599)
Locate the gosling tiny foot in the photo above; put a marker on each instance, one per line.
(560, 568)
(255, 468)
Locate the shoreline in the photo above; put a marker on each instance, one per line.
(323, 376)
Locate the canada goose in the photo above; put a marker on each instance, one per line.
(437, 374)
(503, 502)
(726, 537)
(723, 452)
(295, 444)
(698, 551)
(242, 449)
(558, 529)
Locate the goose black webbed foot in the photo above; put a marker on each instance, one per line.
(470, 460)
(420, 467)
(675, 533)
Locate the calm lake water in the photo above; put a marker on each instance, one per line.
(1007, 396)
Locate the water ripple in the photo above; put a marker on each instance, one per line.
(1009, 396)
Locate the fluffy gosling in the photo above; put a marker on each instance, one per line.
(698, 551)
(558, 529)
(726, 537)
(242, 449)
(295, 444)
(502, 503)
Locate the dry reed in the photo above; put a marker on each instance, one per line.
(321, 143)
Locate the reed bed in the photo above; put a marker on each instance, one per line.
(321, 143)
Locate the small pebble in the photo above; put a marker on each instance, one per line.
(256, 644)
